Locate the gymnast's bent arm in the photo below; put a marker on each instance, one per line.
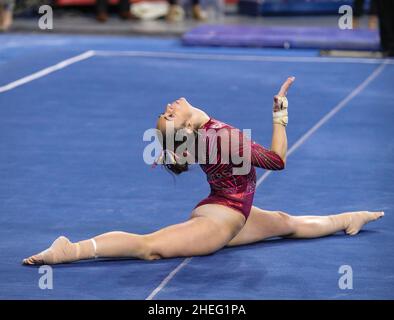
(275, 158)
(280, 119)
(279, 142)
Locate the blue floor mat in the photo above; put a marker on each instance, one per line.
(71, 163)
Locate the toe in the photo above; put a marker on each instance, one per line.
(378, 214)
(34, 260)
(351, 232)
(27, 261)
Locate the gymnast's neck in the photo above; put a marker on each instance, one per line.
(198, 118)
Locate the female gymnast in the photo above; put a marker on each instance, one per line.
(226, 217)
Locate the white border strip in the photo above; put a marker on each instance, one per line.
(223, 57)
(46, 71)
(295, 146)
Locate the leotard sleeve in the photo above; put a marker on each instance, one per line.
(261, 157)
(264, 158)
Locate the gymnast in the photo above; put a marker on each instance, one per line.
(226, 217)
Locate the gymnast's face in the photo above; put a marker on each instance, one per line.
(177, 114)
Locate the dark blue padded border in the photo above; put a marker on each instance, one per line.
(291, 7)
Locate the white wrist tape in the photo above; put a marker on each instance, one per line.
(279, 114)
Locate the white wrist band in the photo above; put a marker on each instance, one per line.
(94, 247)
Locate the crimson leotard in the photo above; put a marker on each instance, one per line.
(234, 191)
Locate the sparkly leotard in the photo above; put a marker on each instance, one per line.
(234, 191)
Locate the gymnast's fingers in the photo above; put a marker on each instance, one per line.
(285, 86)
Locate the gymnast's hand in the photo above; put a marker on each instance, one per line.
(279, 110)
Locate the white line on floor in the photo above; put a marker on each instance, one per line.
(168, 278)
(46, 71)
(232, 57)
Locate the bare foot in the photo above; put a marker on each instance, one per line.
(358, 219)
(62, 250)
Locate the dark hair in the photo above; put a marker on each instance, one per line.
(174, 167)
